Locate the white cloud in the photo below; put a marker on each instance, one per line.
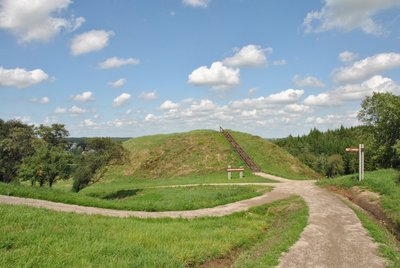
(347, 56)
(75, 110)
(367, 67)
(38, 20)
(287, 96)
(21, 78)
(196, 3)
(88, 123)
(115, 62)
(43, 100)
(118, 83)
(60, 110)
(218, 76)
(298, 108)
(348, 15)
(150, 117)
(121, 122)
(91, 41)
(352, 92)
(333, 120)
(308, 81)
(248, 56)
(84, 97)
(121, 100)
(168, 105)
(322, 99)
(284, 97)
(252, 90)
(279, 62)
(148, 95)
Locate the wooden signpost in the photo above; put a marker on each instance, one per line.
(360, 151)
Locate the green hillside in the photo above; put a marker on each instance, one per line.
(205, 152)
(272, 159)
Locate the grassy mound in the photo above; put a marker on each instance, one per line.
(273, 159)
(176, 155)
(206, 152)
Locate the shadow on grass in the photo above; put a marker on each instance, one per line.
(122, 194)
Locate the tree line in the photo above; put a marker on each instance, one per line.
(43, 155)
(380, 132)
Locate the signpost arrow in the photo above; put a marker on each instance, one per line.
(360, 151)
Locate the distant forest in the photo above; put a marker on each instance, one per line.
(325, 151)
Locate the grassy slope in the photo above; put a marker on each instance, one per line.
(176, 155)
(32, 237)
(385, 182)
(272, 159)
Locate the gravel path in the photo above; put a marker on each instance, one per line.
(334, 236)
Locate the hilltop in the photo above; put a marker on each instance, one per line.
(206, 152)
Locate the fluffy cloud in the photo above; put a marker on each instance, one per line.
(43, 100)
(21, 78)
(118, 83)
(347, 56)
(308, 81)
(60, 110)
(298, 108)
(121, 100)
(36, 20)
(148, 95)
(348, 15)
(91, 41)
(75, 110)
(84, 97)
(279, 62)
(248, 56)
(333, 120)
(367, 67)
(351, 92)
(284, 97)
(196, 3)
(218, 76)
(168, 105)
(88, 123)
(115, 62)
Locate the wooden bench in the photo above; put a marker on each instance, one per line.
(230, 170)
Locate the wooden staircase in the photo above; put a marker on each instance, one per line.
(249, 162)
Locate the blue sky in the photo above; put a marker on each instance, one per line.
(132, 68)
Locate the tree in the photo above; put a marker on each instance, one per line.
(54, 134)
(16, 143)
(92, 164)
(334, 165)
(382, 111)
(47, 165)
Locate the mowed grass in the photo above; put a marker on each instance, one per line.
(143, 199)
(273, 159)
(32, 237)
(385, 182)
(114, 180)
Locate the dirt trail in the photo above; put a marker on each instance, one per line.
(334, 236)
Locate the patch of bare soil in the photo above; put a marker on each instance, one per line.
(369, 201)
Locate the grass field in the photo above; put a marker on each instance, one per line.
(385, 182)
(142, 199)
(32, 237)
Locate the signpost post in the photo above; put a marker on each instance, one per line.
(360, 151)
